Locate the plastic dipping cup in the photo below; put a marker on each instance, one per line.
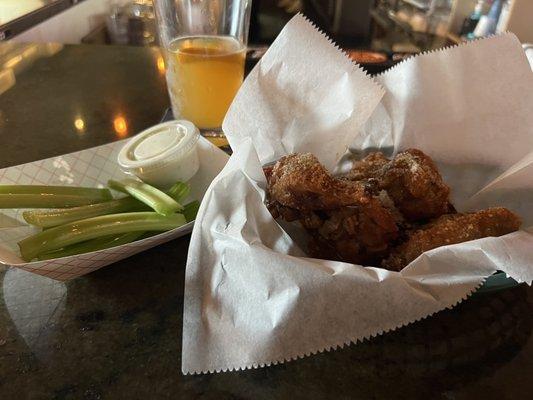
(163, 154)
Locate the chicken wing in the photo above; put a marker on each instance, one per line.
(299, 181)
(415, 185)
(452, 229)
(361, 234)
(369, 167)
(412, 181)
(347, 219)
(373, 215)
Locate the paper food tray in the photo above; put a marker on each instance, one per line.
(92, 168)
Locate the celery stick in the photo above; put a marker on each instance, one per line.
(95, 194)
(92, 228)
(92, 245)
(49, 218)
(190, 210)
(151, 196)
(45, 200)
(179, 191)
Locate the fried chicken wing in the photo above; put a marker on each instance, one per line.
(358, 234)
(412, 181)
(374, 215)
(299, 181)
(361, 235)
(368, 168)
(452, 229)
(347, 219)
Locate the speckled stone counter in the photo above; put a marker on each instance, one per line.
(116, 333)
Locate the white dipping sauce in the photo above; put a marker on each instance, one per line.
(163, 154)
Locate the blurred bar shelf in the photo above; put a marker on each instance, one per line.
(41, 11)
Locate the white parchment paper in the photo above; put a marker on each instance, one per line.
(252, 298)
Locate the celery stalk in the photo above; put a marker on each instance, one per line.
(179, 191)
(161, 202)
(190, 210)
(92, 245)
(91, 228)
(96, 194)
(49, 218)
(27, 200)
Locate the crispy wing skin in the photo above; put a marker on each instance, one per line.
(358, 234)
(412, 181)
(415, 185)
(347, 219)
(299, 181)
(452, 229)
(369, 167)
(362, 234)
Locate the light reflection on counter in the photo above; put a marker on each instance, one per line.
(33, 303)
(30, 52)
(7, 80)
(79, 124)
(161, 65)
(18, 57)
(13, 62)
(121, 126)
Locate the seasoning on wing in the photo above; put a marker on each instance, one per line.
(415, 185)
(347, 219)
(412, 181)
(369, 167)
(452, 229)
(299, 181)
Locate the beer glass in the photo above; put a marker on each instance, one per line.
(204, 46)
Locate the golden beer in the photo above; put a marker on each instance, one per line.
(203, 75)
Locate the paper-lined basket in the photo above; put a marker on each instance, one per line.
(252, 296)
(92, 168)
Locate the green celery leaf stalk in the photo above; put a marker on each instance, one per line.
(159, 201)
(92, 245)
(92, 228)
(50, 218)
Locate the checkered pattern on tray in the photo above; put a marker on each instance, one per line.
(93, 168)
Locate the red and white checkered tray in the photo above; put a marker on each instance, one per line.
(93, 168)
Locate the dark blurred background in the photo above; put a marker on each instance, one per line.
(392, 28)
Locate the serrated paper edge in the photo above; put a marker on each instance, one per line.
(356, 67)
(432, 52)
(346, 343)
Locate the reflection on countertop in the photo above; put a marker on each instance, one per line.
(116, 333)
(81, 96)
(16, 58)
(31, 302)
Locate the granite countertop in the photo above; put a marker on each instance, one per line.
(116, 333)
